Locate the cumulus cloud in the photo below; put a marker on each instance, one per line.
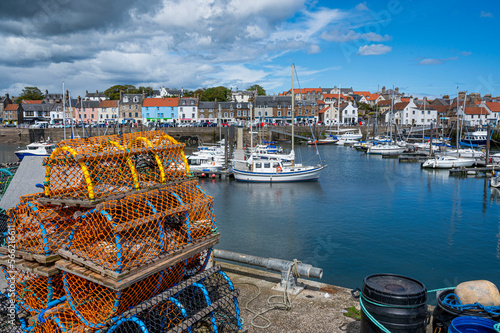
(485, 14)
(97, 43)
(374, 49)
(434, 61)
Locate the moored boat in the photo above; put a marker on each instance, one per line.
(447, 162)
(36, 149)
(276, 171)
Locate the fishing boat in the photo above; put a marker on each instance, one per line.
(447, 162)
(36, 149)
(276, 170)
(475, 139)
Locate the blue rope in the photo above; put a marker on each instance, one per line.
(454, 302)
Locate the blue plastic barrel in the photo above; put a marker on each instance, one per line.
(472, 325)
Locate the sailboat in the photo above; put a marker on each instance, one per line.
(276, 170)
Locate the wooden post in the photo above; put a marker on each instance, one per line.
(488, 135)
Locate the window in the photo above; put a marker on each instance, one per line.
(157, 108)
(244, 113)
(300, 112)
(413, 111)
(428, 112)
(259, 113)
(279, 106)
(239, 113)
(238, 105)
(289, 113)
(192, 102)
(130, 114)
(136, 114)
(225, 114)
(183, 116)
(172, 115)
(289, 106)
(267, 165)
(180, 109)
(130, 107)
(210, 116)
(136, 100)
(265, 113)
(92, 116)
(258, 165)
(136, 107)
(160, 115)
(279, 113)
(231, 114)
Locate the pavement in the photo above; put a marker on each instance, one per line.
(318, 308)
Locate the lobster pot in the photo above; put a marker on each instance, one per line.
(201, 216)
(94, 304)
(6, 175)
(98, 167)
(40, 230)
(126, 233)
(197, 263)
(59, 319)
(33, 292)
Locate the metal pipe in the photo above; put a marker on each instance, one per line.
(272, 264)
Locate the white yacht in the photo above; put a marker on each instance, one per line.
(447, 162)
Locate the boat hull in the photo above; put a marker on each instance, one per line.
(375, 150)
(440, 164)
(277, 177)
(20, 154)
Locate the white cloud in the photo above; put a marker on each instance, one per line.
(362, 7)
(486, 14)
(374, 49)
(435, 61)
(314, 49)
(466, 53)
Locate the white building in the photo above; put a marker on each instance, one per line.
(409, 113)
(188, 110)
(348, 113)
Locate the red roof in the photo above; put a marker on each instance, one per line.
(475, 110)
(11, 107)
(405, 99)
(107, 103)
(323, 110)
(400, 105)
(32, 102)
(493, 106)
(386, 102)
(160, 102)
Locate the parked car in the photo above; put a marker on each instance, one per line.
(10, 125)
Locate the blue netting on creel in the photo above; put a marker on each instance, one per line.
(454, 302)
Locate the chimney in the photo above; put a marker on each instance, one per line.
(121, 94)
(7, 96)
(383, 90)
(397, 90)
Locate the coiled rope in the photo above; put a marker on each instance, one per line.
(454, 302)
(286, 304)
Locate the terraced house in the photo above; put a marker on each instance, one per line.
(131, 108)
(108, 112)
(162, 110)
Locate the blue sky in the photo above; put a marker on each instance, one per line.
(422, 47)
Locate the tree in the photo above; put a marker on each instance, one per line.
(260, 91)
(114, 91)
(29, 94)
(219, 93)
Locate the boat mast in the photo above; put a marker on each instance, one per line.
(64, 110)
(338, 113)
(293, 114)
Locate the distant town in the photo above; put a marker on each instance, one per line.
(169, 107)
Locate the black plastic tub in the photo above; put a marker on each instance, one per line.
(397, 302)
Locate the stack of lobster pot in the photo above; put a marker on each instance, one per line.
(119, 223)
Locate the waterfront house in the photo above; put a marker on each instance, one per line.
(493, 109)
(36, 112)
(273, 108)
(167, 92)
(207, 111)
(188, 109)
(349, 113)
(130, 108)
(107, 112)
(161, 110)
(419, 112)
(87, 111)
(11, 114)
(475, 116)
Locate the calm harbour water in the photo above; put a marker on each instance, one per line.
(365, 215)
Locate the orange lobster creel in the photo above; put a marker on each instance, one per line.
(94, 168)
(32, 291)
(94, 304)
